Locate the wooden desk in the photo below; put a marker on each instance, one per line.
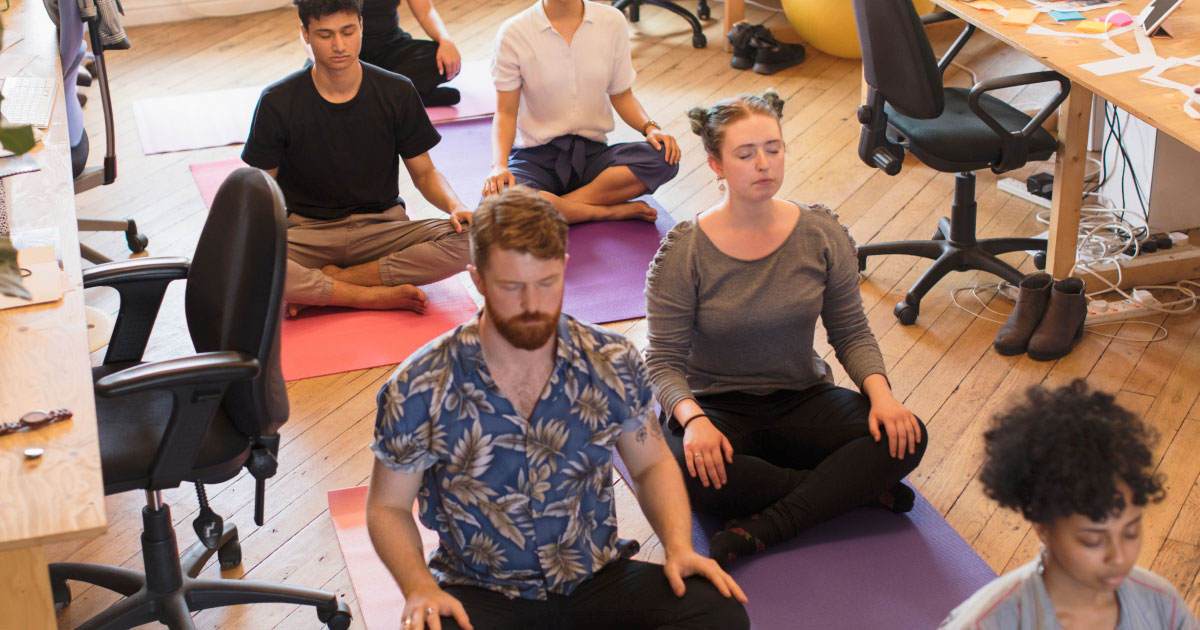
(1157, 106)
(44, 364)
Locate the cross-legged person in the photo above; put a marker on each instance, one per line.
(732, 300)
(333, 135)
(560, 68)
(428, 63)
(504, 430)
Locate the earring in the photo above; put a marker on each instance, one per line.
(721, 184)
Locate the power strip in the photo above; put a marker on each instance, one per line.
(1014, 187)
(1115, 311)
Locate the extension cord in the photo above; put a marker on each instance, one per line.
(1115, 312)
(1014, 187)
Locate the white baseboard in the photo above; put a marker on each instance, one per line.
(139, 12)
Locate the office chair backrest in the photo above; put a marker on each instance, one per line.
(235, 292)
(897, 58)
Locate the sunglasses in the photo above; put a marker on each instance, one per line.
(34, 420)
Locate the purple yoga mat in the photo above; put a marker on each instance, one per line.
(606, 275)
(867, 568)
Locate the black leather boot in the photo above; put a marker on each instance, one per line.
(1062, 325)
(1032, 296)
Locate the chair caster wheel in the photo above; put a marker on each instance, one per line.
(137, 242)
(699, 40)
(703, 12)
(336, 620)
(61, 592)
(906, 313)
(229, 555)
(1039, 261)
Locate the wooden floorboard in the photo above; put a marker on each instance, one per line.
(943, 367)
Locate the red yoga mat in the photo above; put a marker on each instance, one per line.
(220, 117)
(379, 598)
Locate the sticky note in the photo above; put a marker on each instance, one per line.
(1020, 17)
(986, 4)
(1092, 26)
(1118, 18)
(1066, 16)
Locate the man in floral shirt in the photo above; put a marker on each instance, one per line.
(503, 428)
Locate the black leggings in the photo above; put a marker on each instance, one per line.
(626, 594)
(402, 54)
(799, 457)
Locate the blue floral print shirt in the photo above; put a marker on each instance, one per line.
(522, 507)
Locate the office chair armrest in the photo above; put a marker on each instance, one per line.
(141, 283)
(959, 42)
(206, 368)
(197, 385)
(1016, 143)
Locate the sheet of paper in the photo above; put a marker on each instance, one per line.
(1065, 16)
(1074, 5)
(1120, 64)
(986, 5)
(42, 277)
(1020, 17)
(1038, 29)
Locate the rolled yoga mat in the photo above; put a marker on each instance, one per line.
(221, 117)
(606, 274)
(868, 568)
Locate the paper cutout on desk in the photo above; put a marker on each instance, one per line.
(45, 281)
(986, 5)
(17, 164)
(1038, 29)
(1075, 5)
(1020, 17)
(1117, 65)
(1065, 16)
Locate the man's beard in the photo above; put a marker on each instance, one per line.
(517, 332)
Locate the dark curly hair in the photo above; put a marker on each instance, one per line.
(309, 9)
(1061, 452)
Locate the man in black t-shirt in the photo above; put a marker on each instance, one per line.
(334, 135)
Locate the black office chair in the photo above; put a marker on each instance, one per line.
(702, 13)
(199, 418)
(953, 130)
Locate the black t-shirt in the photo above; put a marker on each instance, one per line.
(337, 159)
(381, 18)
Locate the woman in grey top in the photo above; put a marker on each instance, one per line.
(1080, 468)
(732, 303)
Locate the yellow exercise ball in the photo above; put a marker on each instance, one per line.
(828, 25)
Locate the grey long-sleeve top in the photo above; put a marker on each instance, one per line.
(719, 323)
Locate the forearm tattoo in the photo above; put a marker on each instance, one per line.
(651, 428)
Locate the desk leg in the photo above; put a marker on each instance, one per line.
(25, 590)
(735, 11)
(1073, 123)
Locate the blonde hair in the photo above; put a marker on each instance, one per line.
(517, 219)
(709, 122)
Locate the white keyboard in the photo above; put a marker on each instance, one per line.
(27, 101)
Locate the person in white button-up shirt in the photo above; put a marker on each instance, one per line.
(560, 68)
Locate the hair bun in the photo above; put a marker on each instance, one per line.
(772, 98)
(698, 116)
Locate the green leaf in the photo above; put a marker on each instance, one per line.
(17, 139)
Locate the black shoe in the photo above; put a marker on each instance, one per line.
(772, 55)
(739, 37)
(441, 96)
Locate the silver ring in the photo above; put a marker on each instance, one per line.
(695, 454)
(429, 612)
(408, 622)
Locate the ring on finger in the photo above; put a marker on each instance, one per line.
(429, 612)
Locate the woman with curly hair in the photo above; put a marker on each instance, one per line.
(1079, 467)
(750, 409)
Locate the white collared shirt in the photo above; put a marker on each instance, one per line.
(564, 89)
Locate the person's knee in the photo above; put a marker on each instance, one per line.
(711, 609)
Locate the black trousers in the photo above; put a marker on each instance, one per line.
(627, 594)
(400, 53)
(799, 457)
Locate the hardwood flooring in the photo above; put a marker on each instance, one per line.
(943, 367)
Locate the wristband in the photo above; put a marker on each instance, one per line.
(648, 124)
(689, 420)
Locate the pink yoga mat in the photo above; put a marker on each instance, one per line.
(379, 598)
(326, 340)
(217, 118)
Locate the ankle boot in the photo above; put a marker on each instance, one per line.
(1033, 293)
(1062, 325)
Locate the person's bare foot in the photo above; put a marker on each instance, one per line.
(404, 297)
(634, 210)
(291, 309)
